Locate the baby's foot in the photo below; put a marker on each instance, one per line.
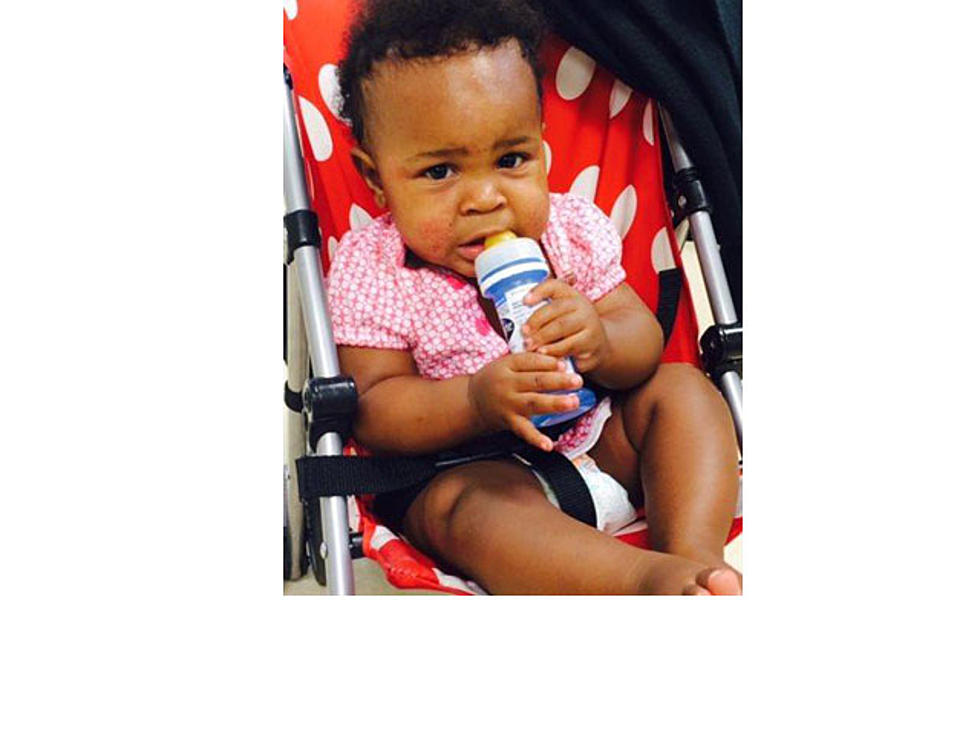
(667, 574)
(713, 560)
(720, 580)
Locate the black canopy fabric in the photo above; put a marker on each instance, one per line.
(687, 55)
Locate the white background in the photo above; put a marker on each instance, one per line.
(141, 294)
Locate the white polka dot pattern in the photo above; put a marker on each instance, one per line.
(586, 182)
(624, 210)
(660, 254)
(450, 580)
(316, 129)
(574, 73)
(380, 537)
(648, 123)
(358, 217)
(291, 9)
(375, 301)
(330, 89)
(618, 98)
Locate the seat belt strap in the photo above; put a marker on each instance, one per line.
(671, 280)
(574, 497)
(324, 476)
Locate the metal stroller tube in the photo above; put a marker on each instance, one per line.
(715, 281)
(323, 353)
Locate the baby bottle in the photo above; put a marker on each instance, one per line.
(507, 269)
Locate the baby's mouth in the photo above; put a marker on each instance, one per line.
(474, 247)
(471, 249)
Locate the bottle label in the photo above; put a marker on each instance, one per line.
(514, 313)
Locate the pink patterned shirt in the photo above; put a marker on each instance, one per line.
(376, 301)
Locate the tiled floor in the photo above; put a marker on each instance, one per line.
(368, 577)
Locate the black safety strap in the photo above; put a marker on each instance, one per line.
(324, 476)
(565, 481)
(671, 281)
(321, 476)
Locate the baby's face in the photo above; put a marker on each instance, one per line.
(457, 150)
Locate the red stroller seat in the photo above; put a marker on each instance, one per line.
(602, 142)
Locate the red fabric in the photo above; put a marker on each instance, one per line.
(736, 529)
(581, 132)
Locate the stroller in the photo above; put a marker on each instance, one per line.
(603, 141)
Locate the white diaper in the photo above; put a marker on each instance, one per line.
(613, 509)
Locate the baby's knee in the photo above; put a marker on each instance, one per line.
(673, 386)
(679, 381)
(674, 376)
(428, 517)
(458, 503)
(449, 503)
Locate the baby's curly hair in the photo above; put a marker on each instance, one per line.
(414, 29)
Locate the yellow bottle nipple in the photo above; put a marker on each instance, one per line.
(498, 238)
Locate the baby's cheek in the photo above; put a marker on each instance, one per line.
(430, 237)
(432, 230)
(536, 216)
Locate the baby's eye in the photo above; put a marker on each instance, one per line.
(511, 160)
(438, 172)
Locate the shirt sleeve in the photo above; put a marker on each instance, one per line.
(597, 248)
(367, 306)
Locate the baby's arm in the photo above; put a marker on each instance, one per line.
(634, 338)
(401, 412)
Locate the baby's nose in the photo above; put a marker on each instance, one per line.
(483, 197)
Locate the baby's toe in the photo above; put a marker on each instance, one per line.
(720, 581)
(695, 589)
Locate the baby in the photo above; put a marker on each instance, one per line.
(444, 101)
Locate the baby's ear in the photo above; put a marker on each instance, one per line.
(369, 172)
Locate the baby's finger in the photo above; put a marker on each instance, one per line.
(533, 404)
(564, 347)
(547, 289)
(546, 382)
(558, 328)
(526, 431)
(522, 362)
(547, 314)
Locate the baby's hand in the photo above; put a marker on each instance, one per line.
(569, 325)
(512, 388)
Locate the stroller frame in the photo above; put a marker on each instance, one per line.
(306, 263)
(721, 344)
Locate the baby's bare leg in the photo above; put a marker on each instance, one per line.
(673, 436)
(491, 522)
